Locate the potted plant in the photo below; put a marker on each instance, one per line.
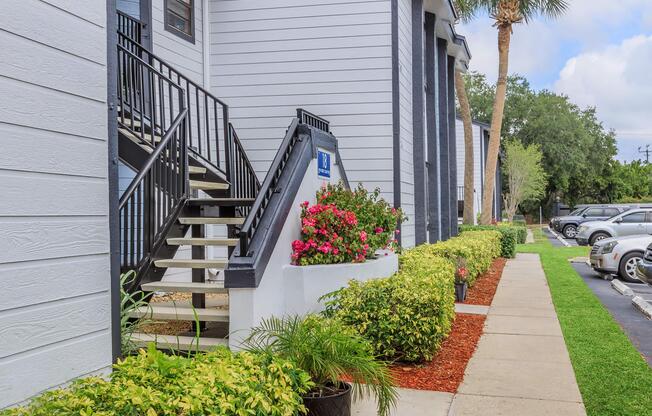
(461, 276)
(330, 353)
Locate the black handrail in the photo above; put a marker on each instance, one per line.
(267, 189)
(306, 117)
(244, 183)
(130, 27)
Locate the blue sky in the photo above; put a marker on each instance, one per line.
(599, 54)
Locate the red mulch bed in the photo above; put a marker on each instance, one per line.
(484, 289)
(446, 371)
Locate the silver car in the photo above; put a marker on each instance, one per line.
(633, 222)
(619, 256)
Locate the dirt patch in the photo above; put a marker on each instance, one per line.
(446, 371)
(484, 289)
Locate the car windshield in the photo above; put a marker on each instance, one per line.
(614, 217)
(578, 211)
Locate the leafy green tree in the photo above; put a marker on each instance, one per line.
(526, 179)
(506, 14)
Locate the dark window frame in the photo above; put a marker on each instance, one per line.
(169, 27)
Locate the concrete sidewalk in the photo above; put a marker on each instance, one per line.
(521, 366)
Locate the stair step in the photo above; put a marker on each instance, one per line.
(180, 313)
(237, 202)
(196, 170)
(208, 185)
(186, 287)
(173, 342)
(203, 241)
(127, 122)
(192, 263)
(211, 220)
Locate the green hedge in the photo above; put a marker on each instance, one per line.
(405, 317)
(152, 383)
(478, 248)
(509, 236)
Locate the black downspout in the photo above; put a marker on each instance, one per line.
(418, 133)
(444, 168)
(452, 147)
(432, 190)
(114, 193)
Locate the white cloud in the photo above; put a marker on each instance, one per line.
(617, 80)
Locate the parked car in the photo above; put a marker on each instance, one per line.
(567, 224)
(644, 267)
(632, 222)
(619, 256)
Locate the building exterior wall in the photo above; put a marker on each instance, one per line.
(332, 57)
(54, 254)
(478, 165)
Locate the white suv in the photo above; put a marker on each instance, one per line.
(632, 222)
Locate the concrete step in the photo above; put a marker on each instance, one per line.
(192, 263)
(211, 220)
(196, 170)
(230, 242)
(182, 343)
(208, 186)
(187, 287)
(180, 313)
(226, 202)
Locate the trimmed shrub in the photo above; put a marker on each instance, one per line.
(478, 248)
(509, 237)
(152, 383)
(521, 233)
(404, 317)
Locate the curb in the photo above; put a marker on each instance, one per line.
(621, 288)
(643, 306)
(558, 237)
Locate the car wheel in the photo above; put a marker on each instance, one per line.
(570, 231)
(597, 237)
(627, 268)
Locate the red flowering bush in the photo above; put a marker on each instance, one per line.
(377, 218)
(329, 235)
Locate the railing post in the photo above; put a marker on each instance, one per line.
(228, 147)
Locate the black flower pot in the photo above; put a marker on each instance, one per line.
(336, 404)
(460, 291)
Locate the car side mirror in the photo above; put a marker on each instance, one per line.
(618, 220)
(583, 215)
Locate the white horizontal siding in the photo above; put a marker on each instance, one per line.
(331, 57)
(477, 163)
(183, 55)
(54, 261)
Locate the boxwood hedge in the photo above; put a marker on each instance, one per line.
(510, 235)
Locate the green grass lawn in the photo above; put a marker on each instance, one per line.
(613, 377)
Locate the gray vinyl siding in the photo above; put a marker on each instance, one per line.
(54, 251)
(478, 162)
(131, 7)
(331, 57)
(185, 56)
(406, 122)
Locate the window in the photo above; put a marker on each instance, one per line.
(594, 212)
(635, 217)
(179, 18)
(610, 212)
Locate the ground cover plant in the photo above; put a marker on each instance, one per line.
(612, 376)
(152, 383)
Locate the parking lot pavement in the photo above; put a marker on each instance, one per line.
(636, 326)
(555, 241)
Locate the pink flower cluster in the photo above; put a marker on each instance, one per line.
(328, 235)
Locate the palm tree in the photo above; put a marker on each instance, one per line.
(506, 13)
(465, 111)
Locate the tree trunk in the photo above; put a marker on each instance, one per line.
(504, 35)
(465, 111)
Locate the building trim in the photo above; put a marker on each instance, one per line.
(167, 26)
(444, 168)
(452, 146)
(418, 128)
(432, 184)
(147, 38)
(396, 116)
(113, 176)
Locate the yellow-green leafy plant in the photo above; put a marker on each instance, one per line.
(219, 383)
(405, 317)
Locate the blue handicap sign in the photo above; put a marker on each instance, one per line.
(323, 164)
